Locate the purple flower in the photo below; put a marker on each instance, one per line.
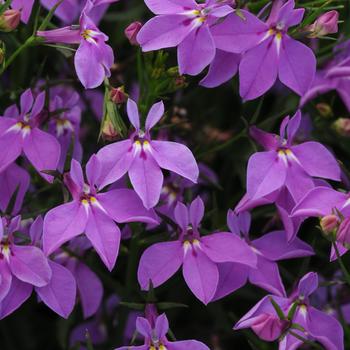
(89, 286)
(186, 25)
(155, 336)
(335, 76)
(321, 202)
(285, 164)
(94, 57)
(316, 325)
(12, 178)
(21, 268)
(270, 51)
(60, 293)
(200, 257)
(93, 213)
(19, 132)
(268, 249)
(64, 122)
(143, 157)
(69, 10)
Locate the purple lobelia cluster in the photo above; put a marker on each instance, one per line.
(148, 179)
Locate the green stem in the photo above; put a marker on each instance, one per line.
(306, 341)
(341, 263)
(29, 42)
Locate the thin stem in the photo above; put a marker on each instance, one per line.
(341, 263)
(306, 341)
(29, 42)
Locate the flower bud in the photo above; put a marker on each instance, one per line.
(343, 235)
(118, 95)
(329, 223)
(269, 327)
(9, 20)
(325, 24)
(109, 131)
(342, 126)
(325, 110)
(131, 32)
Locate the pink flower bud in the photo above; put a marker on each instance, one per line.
(342, 126)
(9, 20)
(325, 24)
(329, 223)
(118, 95)
(269, 327)
(131, 32)
(343, 235)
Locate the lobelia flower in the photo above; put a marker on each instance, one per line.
(64, 123)
(285, 164)
(93, 58)
(143, 157)
(185, 25)
(268, 249)
(321, 202)
(12, 179)
(318, 326)
(200, 257)
(21, 131)
(89, 286)
(93, 213)
(269, 51)
(335, 76)
(21, 268)
(154, 333)
(60, 293)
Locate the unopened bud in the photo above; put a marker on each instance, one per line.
(343, 235)
(329, 223)
(9, 20)
(118, 95)
(325, 24)
(109, 132)
(325, 110)
(342, 126)
(131, 32)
